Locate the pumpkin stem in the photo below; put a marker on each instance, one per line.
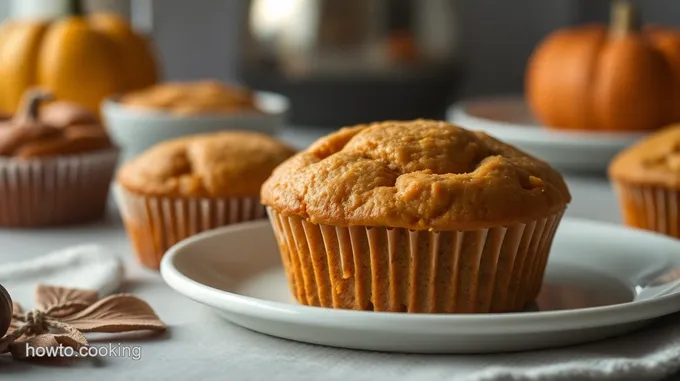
(625, 18)
(77, 8)
(30, 106)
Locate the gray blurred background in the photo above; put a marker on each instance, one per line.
(497, 36)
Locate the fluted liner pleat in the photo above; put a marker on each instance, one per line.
(383, 269)
(651, 208)
(154, 224)
(55, 191)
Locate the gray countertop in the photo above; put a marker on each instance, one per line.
(191, 348)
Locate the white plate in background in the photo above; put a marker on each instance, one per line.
(136, 130)
(599, 283)
(509, 119)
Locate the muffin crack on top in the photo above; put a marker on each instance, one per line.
(420, 174)
(227, 164)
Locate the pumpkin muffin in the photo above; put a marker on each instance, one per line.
(192, 98)
(646, 177)
(188, 185)
(414, 216)
(56, 164)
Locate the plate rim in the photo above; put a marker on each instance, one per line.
(518, 132)
(520, 322)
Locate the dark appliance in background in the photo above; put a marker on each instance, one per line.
(343, 62)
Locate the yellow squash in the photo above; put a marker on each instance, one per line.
(78, 59)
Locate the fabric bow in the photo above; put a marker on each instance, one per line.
(63, 315)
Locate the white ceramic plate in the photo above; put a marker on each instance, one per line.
(600, 282)
(510, 120)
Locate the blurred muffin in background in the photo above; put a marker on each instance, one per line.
(646, 177)
(192, 98)
(191, 184)
(56, 164)
(139, 120)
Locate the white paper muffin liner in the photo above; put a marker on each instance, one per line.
(55, 191)
(154, 224)
(394, 269)
(649, 207)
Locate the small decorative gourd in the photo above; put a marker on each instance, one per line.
(623, 77)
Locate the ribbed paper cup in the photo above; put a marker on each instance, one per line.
(649, 207)
(154, 224)
(55, 191)
(382, 269)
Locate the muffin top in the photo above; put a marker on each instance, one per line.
(419, 174)
(192, 98)
(654, 160)
(225, 164)
(60, 128)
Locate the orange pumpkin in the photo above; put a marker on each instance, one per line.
(78, 59)
(592, 77)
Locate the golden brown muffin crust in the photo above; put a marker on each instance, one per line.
(654, 160)
(420, 174)
(225, 164)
